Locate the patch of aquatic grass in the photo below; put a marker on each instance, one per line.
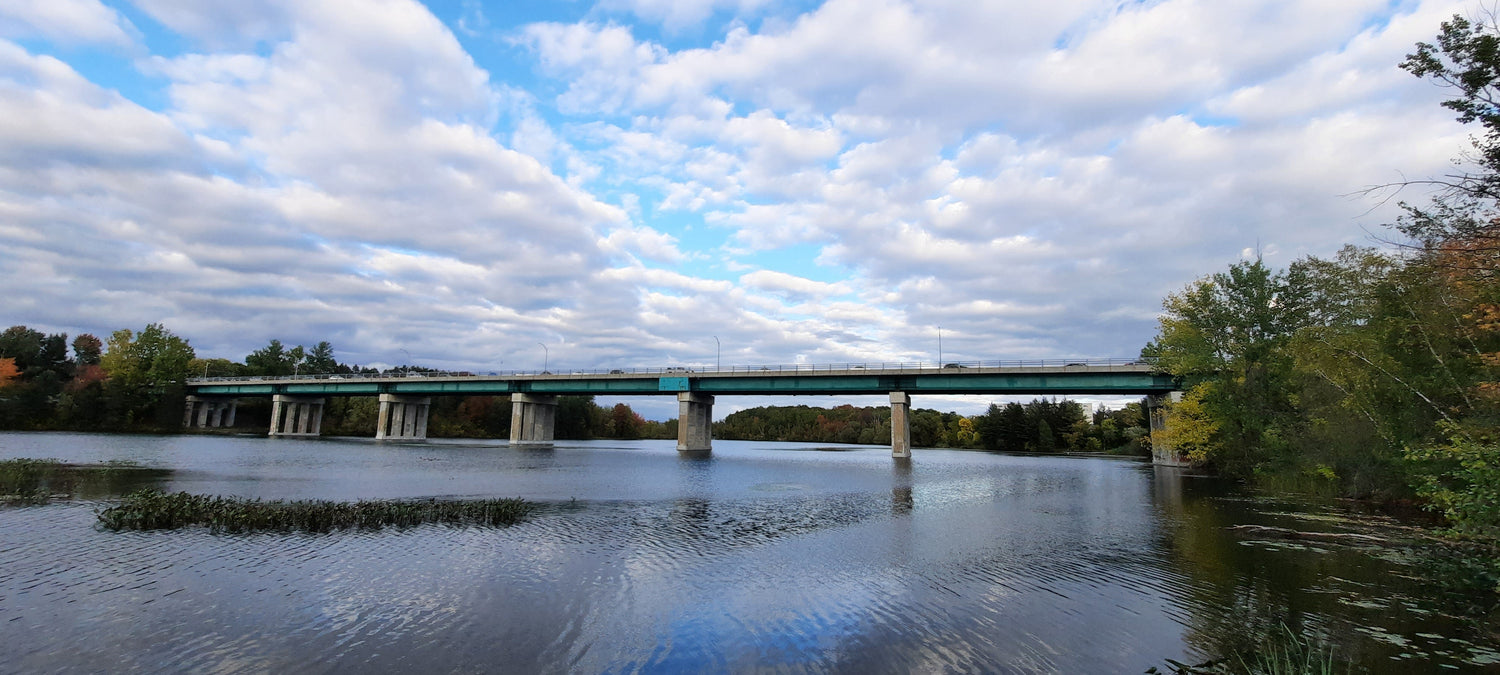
(1290, 654)
(1284, 652)
(153, 509)
(29, 482)
(26, 481)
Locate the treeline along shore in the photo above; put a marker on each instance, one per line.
(134, 384)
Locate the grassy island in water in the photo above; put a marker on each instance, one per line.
(152, 509)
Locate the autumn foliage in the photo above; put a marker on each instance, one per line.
(8, 371)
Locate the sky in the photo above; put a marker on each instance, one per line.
(489, 186)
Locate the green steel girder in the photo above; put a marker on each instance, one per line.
(473, 388)
(600, 386)
(233, 389)
(986, 383)
(797, 384)
(335, 388)
(770, 384)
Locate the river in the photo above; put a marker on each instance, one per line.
(763, 556)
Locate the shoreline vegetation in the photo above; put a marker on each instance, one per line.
(1373, 374)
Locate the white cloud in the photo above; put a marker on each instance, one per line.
(791, 285)
(1033, 177)
(227, 24)
(67, 21)
(49, 114)
(644, 242)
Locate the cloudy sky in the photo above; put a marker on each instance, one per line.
(625, 180)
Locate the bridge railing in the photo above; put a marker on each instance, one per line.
(700, 370)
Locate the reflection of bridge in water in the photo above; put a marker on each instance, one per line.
(297, 402)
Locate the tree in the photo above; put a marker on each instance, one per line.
(1044, 440)
(147, 372)
(8, 371)
(320, 360)
(1233, 319)
(215, 368)
(574, 418)
(271, 359)
(624, 423)
(22, 344)
(53, 355)
(1462, 219)
(154, 358)
(1190, 428)
(86, 349)
(989, 427)
(1467, 58)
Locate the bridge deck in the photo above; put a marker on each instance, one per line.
(1092, 377)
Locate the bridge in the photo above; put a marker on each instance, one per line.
(297, 401)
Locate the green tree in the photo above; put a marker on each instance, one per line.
(1466, 58)
(146, 376)
(320, 360)
(53, 355)
(576, 418)
(272, 360)
(22, 344)
(1044, 439)
(153, 358)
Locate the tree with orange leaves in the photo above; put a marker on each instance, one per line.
(8, 372)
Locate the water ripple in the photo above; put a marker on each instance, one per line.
(756, 560)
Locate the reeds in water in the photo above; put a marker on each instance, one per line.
(30, 482)
(25, 481)
(152, 509)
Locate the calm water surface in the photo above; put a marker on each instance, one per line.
(764, 556)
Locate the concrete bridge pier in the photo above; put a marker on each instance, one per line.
(533, 417)
(209, 413)
(1163, 454)
(296, 415)
(403, 417)
(900, 425)
(695, 418)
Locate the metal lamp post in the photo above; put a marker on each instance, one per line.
(545, 356)
(717, 362)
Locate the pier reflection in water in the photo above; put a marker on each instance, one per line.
(759, 556)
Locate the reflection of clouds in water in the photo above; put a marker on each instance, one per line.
(757, 558)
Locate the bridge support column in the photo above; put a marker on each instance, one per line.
(532, 418)
(1163, 454)
(403, 417)
(296, 415)
(900, 424)
(207, 413)
(695, 418)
